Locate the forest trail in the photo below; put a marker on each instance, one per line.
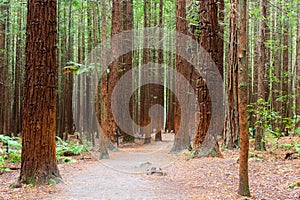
(123, 176)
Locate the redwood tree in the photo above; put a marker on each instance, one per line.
(209, 39)
(231, 126)
(298, 69)
(38, 163)
(261, 85)
(3, 69)
(181, 140)
(243, 99)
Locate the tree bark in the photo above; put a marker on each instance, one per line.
(3, 68)
(298, 70)
(243, 99)
(209, 40)
(181, 140)
(159, 90)
(262, 78)
(38, 163)
(16, 111)
(145, 90)
(285, 106)
(231, 130)
(109, 125)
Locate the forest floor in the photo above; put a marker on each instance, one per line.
(124, 176)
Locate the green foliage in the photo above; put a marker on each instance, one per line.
(294, 185)
(14, 157)
(78, 68)
(67, 160)
(213, 153)
(255, 155)
(64, 148)
(12, 142)
(269, 119)
(12, 153)
(192, 155)
(52, 182)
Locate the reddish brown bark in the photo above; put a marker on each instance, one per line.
(262, 78)
(38, 163)
(16, 111)
(231, 132)
(181, 140)
(298, 69)
(209, 40)
(108, 124)
(3, 69)
(243, 99)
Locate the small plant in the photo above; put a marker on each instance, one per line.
(12, 151)
(67, 160)
(294, 185)
(67, 148)
(192, 155)
(255, 155)
(52, 182)
(214, 153)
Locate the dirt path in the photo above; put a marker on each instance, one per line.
(123, 177)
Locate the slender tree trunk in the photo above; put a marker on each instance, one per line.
(298, 69)
(285, 75)
(3, 75)
(145, 90)
(67, 127)
(262, 78)
(276, 88)
(182, 140)
(16, 117)
(126, 60)
(243, 99)
(169, 95)
(60, 128)
(160, 75)
(38, 163)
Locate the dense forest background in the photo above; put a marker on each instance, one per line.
(273, 52)
(254, 45)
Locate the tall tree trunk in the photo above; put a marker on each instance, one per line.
(38, 163)
(160, 75)
(67, 127)
(298, 69)
(145, 90)
(16, 113)
(169, 94)
(109, 125)
(103, 139)
(262, 78)
(3, 68)
(126, 59)
(182, 140)
(243, 99)
(285, 75)
(276, 88)
(62, 34)
(231, 130)
(209, 40)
